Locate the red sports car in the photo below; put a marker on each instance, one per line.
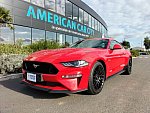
(83, 66)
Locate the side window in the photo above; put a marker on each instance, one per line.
(112, 43)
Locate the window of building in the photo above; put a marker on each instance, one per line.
(6, 35)
(75, 39)
(93, 23)
(38, 2)
(27, 0)
(98, 25)
(90, 21)
(51, 36)
(38, 35)
(75, 13)
(69, 39)
(23, 34)
(106, 33)
(81, 15)
(61, 38)
(103, 30)
(68, 9)
(60, 6)
(86, 18)
(50, 4)
(81, 38)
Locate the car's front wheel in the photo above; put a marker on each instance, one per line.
(96, 79)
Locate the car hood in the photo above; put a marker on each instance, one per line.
(62, 55)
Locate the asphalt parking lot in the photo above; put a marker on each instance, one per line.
(121, 94)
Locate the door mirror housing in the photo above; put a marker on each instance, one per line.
(117, 46)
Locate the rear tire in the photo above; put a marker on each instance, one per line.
(96, 79)
(128, 68)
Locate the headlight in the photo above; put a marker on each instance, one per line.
(77, 63)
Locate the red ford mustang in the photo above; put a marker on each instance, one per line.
(83, 66)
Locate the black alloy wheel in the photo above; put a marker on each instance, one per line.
(97, 79)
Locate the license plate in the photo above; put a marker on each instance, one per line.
(31, 77)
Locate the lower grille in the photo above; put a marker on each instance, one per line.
(39, 67)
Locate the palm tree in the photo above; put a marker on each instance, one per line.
(5, 18)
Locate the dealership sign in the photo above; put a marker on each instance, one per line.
(59, 22)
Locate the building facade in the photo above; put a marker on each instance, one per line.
(59, 20)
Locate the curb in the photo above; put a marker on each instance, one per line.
(134, 57)
(11, 76)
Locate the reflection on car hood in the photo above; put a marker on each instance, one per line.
(64, 54)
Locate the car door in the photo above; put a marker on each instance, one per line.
(115, 59)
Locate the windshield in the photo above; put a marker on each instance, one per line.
(91, 44)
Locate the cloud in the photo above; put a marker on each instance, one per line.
(124, 18)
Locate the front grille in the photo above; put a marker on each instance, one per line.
(39, 67)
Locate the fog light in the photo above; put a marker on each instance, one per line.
(72, 76)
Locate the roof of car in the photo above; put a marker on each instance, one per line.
(100, 38)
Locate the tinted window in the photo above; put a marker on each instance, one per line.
(68, 9)
(93, 23)
(75, 39)
(38, 2)
(27, 0)
(86, 18)
(81, 15)
(90, 21)
(23, 34)
(96, 24)
(60, 6)
(61, 38)
(75, 13)
(91, 44)
(38, 35)
(50, 36)
(100, 27)
(112, 43)
(69, 39)
(50, 4)
(6, 35)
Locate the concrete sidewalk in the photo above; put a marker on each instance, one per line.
(10, 76)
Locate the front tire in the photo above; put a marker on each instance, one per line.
(96, 79)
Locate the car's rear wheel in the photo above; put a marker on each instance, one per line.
(96, 79)
(128, 68)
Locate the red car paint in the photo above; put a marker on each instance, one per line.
(114, 61)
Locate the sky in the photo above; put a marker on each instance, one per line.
(126, 19)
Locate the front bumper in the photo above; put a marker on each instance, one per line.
(44, 89)
(57, 84)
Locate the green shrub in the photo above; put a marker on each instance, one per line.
(13, 49)
(37, 46)
(41, 45)
(135, 53)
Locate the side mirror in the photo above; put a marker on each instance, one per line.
(117, 46)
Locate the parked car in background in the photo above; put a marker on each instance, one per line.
(143, 53)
